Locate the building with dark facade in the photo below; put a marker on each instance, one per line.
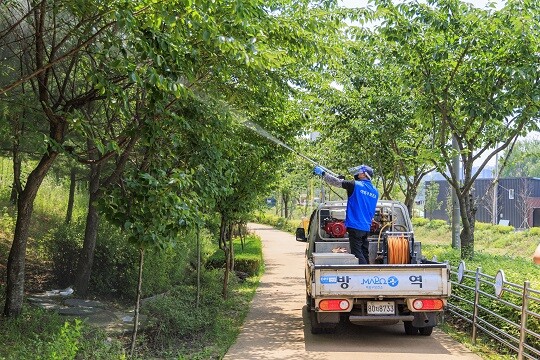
(512, 201)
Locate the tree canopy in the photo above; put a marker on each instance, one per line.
(471, 75)
(149, 95)
(523, 160)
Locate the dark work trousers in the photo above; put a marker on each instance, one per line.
(359, 242)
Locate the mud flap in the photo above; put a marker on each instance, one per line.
(323, 322)
(328, 318)
(424, 319)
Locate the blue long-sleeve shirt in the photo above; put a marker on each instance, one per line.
(361, 202)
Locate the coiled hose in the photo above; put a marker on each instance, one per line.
(398, 250)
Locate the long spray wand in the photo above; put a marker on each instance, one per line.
(258, 129)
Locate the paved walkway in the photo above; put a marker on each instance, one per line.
(277, 326)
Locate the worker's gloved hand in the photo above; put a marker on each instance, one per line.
(318, 170)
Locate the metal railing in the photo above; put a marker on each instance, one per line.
(504, 311)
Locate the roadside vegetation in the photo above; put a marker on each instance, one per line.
(498, 248)
(184, 323)
(180, 329)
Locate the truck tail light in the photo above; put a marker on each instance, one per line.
(334, 304)
(428, 304)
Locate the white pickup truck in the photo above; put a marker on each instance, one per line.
(398, 284)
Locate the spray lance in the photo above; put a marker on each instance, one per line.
(258, 129)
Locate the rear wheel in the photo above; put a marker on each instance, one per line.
(409, 328)
(316, 327)
(426, 331)
(308, 303)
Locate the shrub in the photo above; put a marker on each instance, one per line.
(249, 266)
(535, 231)
(419, 221)
(186, 331)
(177, 315)
(503, 229)
(248, 260)
(98, 345)
(482, 226)
(115, 267)
(437, 223)
(114, 272)
(38, 334)
(63, 246)
(65, 344)
(279, 222)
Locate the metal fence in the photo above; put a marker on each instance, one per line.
(506, 312)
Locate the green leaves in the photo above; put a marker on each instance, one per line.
(149, 207)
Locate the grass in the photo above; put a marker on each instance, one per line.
(205, 332)
(208, 331)
(38, 334)
(480, 348)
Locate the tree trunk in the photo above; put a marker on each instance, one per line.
(71, 199)
(222, 230)
(16, 188)
(231, 246)
(84, 266)
(198, 266)
(468, 213)
(285, 199)
(17, 254)
(137, 302)
(387, 186)
(241, 233)
(226, 275)
(224, 247)
(16, 179)
(409, 201)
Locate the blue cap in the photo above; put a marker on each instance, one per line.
(362, 169)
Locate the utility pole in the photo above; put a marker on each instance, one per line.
(456, 223)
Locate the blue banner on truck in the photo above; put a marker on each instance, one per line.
(410, 280)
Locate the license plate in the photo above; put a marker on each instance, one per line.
(381, 308)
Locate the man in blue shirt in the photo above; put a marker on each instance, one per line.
(361, 204)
